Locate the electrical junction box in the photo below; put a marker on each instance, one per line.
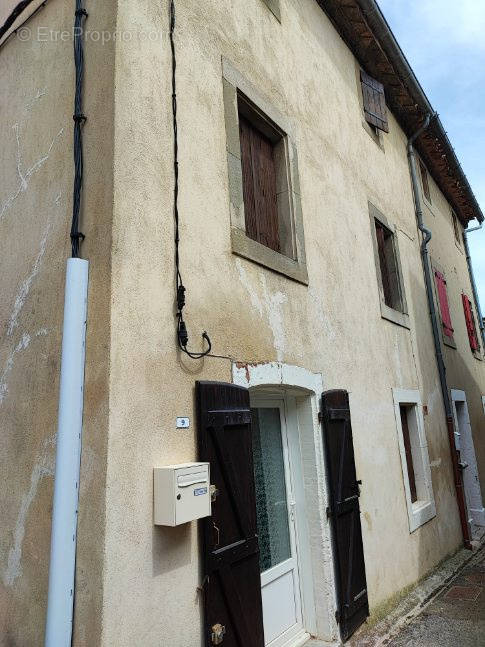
(181, 493)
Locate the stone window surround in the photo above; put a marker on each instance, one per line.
(288, 185)
(421, 511)
(399, 318)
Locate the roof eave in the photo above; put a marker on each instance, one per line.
(363, 27)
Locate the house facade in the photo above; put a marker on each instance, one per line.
(301, 258)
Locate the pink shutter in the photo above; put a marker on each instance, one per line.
(470, 322)
(444, 307)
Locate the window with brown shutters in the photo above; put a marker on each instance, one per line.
(374, 99)
(470, 323)
(391, 285)
(259, 185)
(424, 181)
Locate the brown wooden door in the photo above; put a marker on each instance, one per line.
(353, 605)
(232, 583)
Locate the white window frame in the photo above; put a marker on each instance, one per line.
(422, 510)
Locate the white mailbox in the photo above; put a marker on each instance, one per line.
(181, 493)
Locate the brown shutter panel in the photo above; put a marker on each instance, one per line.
(386, 282)
(248, 179)
(374, 98)
(232, 582)
(259, 186)
(352, 600)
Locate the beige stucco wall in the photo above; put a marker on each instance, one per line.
(36, 174)
(333, 326)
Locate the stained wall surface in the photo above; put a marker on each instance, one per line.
(36, 176)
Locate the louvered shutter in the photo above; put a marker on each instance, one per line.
(444, 306)
(470, 323)
(374, 99)
(259, 186)
(353, 605)
(232, 582)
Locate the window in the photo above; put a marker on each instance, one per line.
(444, 307)
(388, 265)
(388, 268)
(264, 188)
(456, 227)
(470, 324)
(414, 457)
(259, 184)
(424, 181)
(374, 99)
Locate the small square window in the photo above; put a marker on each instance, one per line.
(388, 268)
(374, 102)
(414, 457)
(264, 189)
(424, 181)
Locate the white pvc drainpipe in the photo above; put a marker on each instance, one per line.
(68, 458)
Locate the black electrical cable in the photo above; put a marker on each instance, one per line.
(79, 120)
(182, 335)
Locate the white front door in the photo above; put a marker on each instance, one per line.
(471, 482)
(276, 517)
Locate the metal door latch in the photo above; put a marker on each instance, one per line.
(218, 633)
(462, 465)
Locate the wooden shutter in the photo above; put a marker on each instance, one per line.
(424, 181)
(232, 583)
(259, 186)
(353, 605)
(385, 274)
(444, 306)
(375, 109)
(470, 323)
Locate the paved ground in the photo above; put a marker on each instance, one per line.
(456, 618)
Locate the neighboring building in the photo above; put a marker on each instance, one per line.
(301, 258)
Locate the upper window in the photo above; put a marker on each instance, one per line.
(374, 100)
(456, 227)
(388, 266)
(470, 324)
(264, 189)
(259, 185)
(424, 181)
(414, 457)
(442, 294)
